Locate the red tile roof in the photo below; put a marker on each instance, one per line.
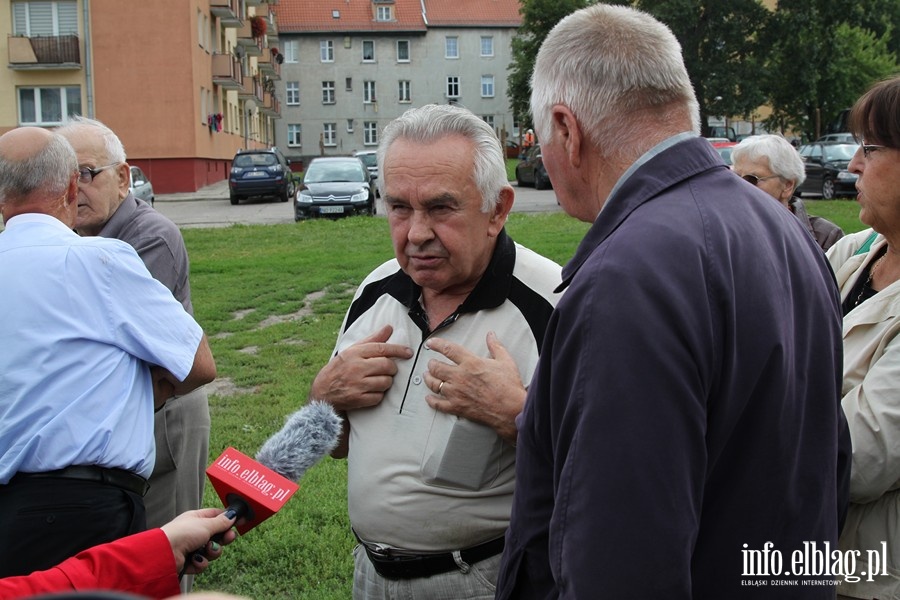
(473, 13)
(309, 16)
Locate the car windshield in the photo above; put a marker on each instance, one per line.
(840, 152)
(368, 159)
(334, 171)
(254, 160)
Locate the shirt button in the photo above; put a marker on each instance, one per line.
(417, 380)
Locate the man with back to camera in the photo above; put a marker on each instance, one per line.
(82, 371)
(107, 208)
(685, 413)
(429, 392)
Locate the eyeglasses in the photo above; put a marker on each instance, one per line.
(754, 179)
(868, 149)
(86, 174)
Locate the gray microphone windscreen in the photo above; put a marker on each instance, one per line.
(306, 438)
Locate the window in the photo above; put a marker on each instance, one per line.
(349, 125)
(368, 51)
(329, 134)
(349, 84)
(451, 47)
(489, 119)
(326, 51)
(294, 132)
(402, 50)
(487, 45)
(199, 27)
(453, 87)
(370, 133)
(404, 92)
(383, 13)
(327, 92)
(291, 48)
(487, 86)
(48, 105)
(292, 93)
(369, 92)
(54, 18)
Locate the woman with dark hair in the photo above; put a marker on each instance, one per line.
(867, 266)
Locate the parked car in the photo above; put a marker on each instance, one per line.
(258, 173)
(531, 171)
(141, 187)
(724, 148)
(370, 159)
(846, 138)
(335, 186)
(826, 169)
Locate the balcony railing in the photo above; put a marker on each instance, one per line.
(251, 89)
(230, 12)
(226, 72)
(270, 106)
(252, 46)
(44, 52)
(268, 64)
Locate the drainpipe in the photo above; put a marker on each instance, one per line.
(88, 75)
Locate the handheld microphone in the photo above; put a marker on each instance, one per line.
(307, 437)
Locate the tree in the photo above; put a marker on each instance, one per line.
(538, 18)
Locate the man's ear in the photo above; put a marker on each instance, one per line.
(501, 210)
(72, 190)
(565, 130)
(123, 172)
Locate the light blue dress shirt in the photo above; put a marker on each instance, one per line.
(82, 320)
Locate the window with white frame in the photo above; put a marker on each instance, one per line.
(348, 84)
(451, 47)
(487, 45)
(487, 86)
(329, 134)
(403, 91)
(369, 92)
(453, 86)
(383, 13)
(48, 105)
(326, 51)
(58, 17)
(292, 93)
(294, 131)
(349, 125)
(402, 50)
(291, 50)
(327, 92)
(368, 50)
(489, 119)
(370, 133)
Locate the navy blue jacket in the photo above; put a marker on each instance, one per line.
(686, 407)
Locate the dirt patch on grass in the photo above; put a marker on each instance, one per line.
(224, 386)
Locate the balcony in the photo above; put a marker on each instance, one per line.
(268, 63)
(252, 46)
(251, 89)
(226, 72)
(44, 52)
(270, 106)
(230, 12)
(272, 33)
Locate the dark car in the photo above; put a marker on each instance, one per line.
(531, 171)
(826, 169)
(335, 186)
(259, 173)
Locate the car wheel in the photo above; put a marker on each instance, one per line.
(828, 189)
(235, 199)
(541, 182)
(519, 179)
(286, 195)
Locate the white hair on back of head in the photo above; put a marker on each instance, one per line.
(784, 160)
(431, 123)
(48, 172)
(609, 65)
(115, 151)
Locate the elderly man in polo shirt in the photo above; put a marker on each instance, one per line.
(81, 371)
(429, 391)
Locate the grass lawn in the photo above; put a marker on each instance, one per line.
(271, 299)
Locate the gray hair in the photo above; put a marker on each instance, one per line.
(432, 122)
(48, 171)
(115, 151)
(608, 64)
(784, 160)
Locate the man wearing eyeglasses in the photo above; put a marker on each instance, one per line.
(81, 371)
(107, 208)
(770, 163)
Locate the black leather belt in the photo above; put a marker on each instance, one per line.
(117, 477)
(405, 566)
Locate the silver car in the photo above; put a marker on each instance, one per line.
(140, 186)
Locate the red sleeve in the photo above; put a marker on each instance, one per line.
(141, 564)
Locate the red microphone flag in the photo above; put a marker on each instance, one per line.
(236, 476)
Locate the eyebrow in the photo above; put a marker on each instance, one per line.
(440, 199)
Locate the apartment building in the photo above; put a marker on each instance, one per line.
(351, 66)
(184, 83)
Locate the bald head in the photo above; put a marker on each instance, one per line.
(36, 172)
